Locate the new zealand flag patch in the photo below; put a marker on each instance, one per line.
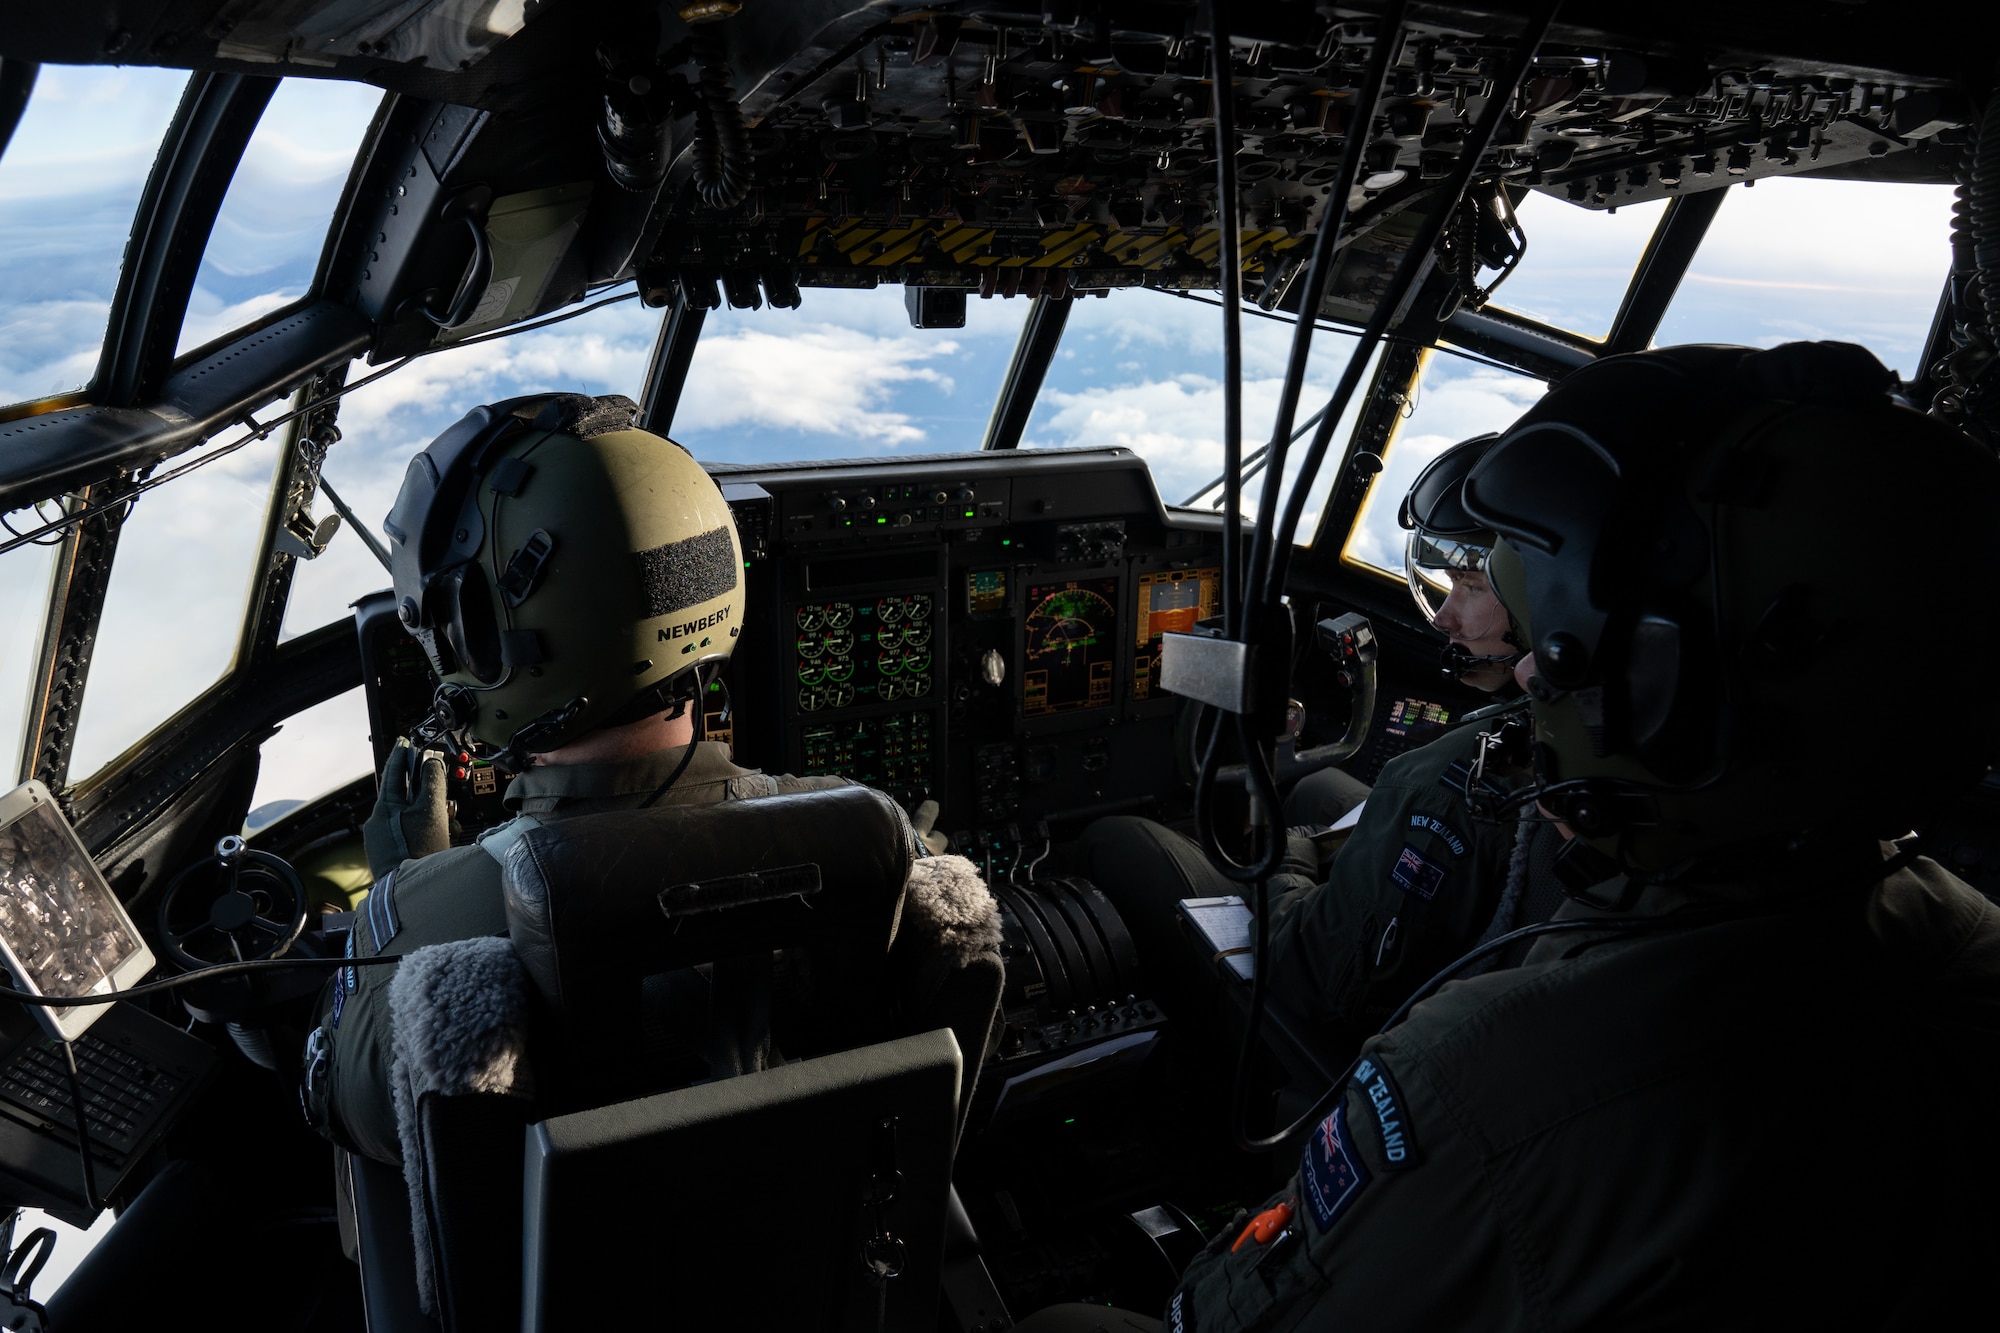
(1331, 1175)
(1413, 873)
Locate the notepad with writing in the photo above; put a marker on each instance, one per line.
(1224, 924)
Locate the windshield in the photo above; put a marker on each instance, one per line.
(843, 376)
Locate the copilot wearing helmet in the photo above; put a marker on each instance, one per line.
(1422, 877)
(1675, 1112)
(1445, 559)
(569, 577)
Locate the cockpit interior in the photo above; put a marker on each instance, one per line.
(937, 295)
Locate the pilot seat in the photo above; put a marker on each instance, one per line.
(718, 1068)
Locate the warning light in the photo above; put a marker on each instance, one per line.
(881, 518)
(968, 513)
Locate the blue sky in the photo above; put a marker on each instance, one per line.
(844, 375)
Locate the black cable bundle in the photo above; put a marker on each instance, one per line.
(721, 152)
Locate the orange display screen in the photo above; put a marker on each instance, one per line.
(1171, 601)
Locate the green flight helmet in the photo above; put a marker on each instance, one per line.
(563, 570)
(1753, 585)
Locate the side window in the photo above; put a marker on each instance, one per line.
(1855, 261)
(24, 605)
(1455, 399)
(268, 235)
(69, 183)
(173, 614)
(1144, 369)
(844, 376)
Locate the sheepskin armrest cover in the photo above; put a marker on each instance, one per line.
(464, 1094)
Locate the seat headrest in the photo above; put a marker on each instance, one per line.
(588, 898)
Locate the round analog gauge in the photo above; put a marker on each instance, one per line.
(811, 673)
(810, 617)
(840, 642)
(839, 696)
(916, 636)
(889, 610)
(839, 615)
(920, 606)
(811, 645)
(917, 686)
(888, 690)
(917, 663)
(840, 668)
(811, 700)
(888, 636)
(888, 664)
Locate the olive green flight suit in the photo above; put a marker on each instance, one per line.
(1413, 887)
(1772, 1120)
(455, 895)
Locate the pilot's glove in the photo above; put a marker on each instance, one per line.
(922, 819)
(409, 819)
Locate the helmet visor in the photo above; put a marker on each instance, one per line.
(1429, 561)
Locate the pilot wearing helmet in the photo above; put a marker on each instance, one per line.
(1417, 881)
(570, 578)
(1677, 1111)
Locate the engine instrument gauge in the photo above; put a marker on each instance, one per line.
(888, 664)
(839, 642)
(811, 673)
(810, 617)
(839, 696)
(889, 611)
(888, 636)
(839, 615)
(916, 636)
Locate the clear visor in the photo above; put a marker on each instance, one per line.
(1430, 561)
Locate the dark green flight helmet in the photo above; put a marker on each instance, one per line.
(563, 570)
(1755, 588)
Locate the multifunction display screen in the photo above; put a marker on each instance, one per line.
(1071, 650)
(1170, 602)
(986, 591)
(1418, 719)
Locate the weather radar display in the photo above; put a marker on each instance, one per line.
(1072, 647)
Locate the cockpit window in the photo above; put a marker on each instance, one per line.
(24, 604)
(69, 183)
(1454, 400)
(1143, 369)
(315, 751)
(1856, 261)
(268, 235)
(174, 610)
(1578, 262)
(383, 424)
(844, 376)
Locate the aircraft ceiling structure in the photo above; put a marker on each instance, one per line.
(721, 151)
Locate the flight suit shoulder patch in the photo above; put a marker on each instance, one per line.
(1331, 1176)
(1392, 1121)
(1416, 873)
(1444, 832)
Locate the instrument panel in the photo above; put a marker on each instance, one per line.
(978, 629)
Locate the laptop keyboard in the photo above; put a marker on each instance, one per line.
(121, 1093)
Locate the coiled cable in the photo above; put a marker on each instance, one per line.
(721, 150)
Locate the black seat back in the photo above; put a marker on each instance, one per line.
(602, 908)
